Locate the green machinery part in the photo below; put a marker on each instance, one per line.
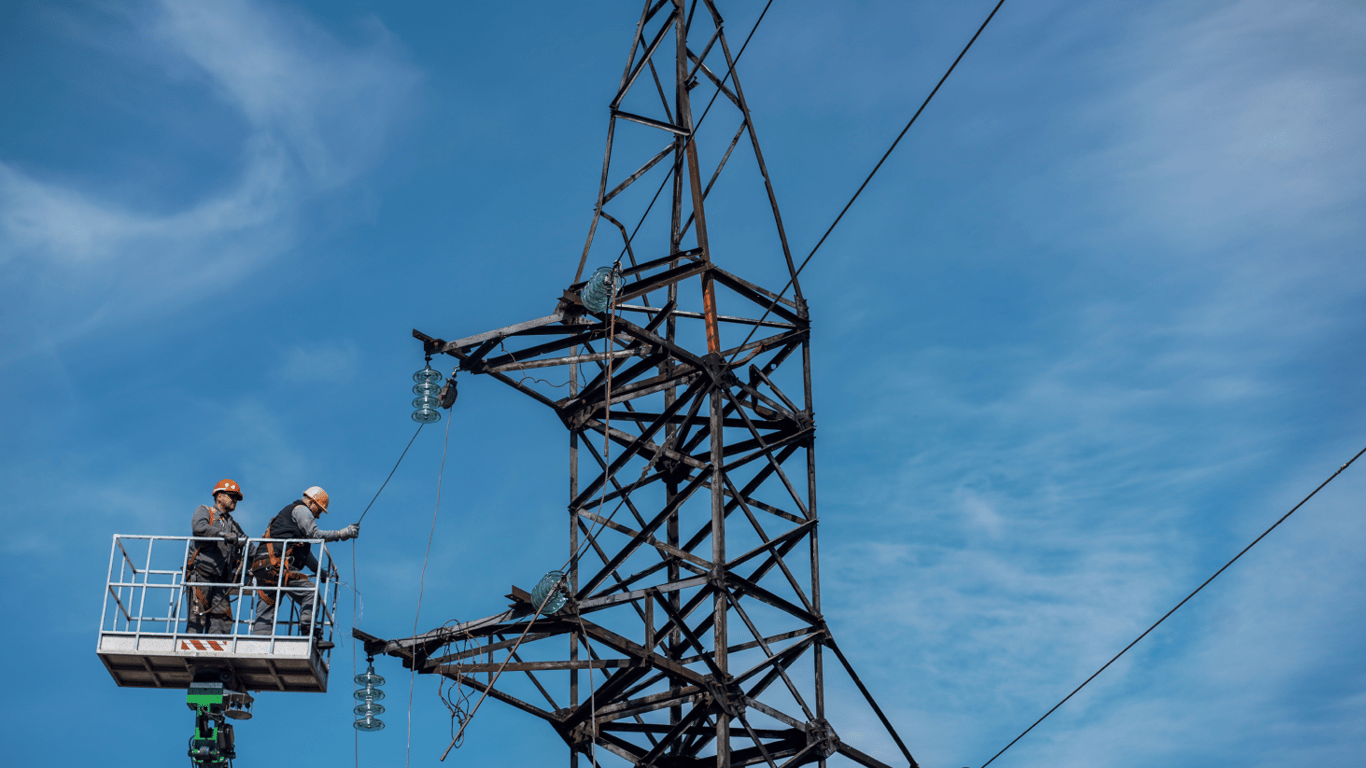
(211, 746)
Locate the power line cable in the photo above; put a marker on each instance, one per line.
(355, 596)
(355, 576)
(607, 427)
(395, 469)
(549, 594)
(1178, 605)
(790, 281)
(687, 140)
(421, 584)
(857, 193)
(607, 452)
(872, 173)
(625, 495)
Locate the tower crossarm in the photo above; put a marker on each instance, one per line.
(689, 630)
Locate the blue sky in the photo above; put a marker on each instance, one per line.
(1096, 325)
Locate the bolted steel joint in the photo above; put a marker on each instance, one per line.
(822, 736)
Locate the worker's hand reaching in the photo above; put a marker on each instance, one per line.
(351, 531)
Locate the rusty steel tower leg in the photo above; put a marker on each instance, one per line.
(685, 122)
(720, 603)
(693, 616)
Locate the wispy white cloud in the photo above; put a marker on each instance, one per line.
(1270, 671)
(1232, 154)
(69, 228)
(330, 105)
(1056, 494)
(318, 112)
(1242, 133)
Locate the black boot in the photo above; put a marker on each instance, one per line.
(322, 645)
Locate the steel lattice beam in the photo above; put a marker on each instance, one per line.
(694, 625)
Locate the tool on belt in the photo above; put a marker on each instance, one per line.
(267, 562)
(234, 563)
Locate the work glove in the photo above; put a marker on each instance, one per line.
(351, 531)
(232, 537)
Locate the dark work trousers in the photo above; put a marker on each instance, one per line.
(208, 608)
(266, 600)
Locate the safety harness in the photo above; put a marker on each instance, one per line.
(194, 553)
(271, 557)
(200, 604)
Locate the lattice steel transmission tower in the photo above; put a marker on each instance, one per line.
(692, 634)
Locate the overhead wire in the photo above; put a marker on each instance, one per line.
(458, 699)
(842, 212)
(610, 363)
(592, 693)
(392, 471)
(550, 593)
(688, 139)
(355, 574)
(607, 421)
(625, 495)
(572, 559)
(1185, 600)
(768, 311)
(421, 585)
(871, 173)
(499, 672)
(355, 595)
(503, 346)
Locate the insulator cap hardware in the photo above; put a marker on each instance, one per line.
(427, 388)
(369, 696)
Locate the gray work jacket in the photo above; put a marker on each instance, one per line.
(220, 555)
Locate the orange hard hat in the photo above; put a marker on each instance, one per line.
(228, 486)
(317, 494)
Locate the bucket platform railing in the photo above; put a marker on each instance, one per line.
(144, 641)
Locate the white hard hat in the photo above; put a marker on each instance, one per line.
(317, 494)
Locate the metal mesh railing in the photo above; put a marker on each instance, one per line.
(145, 592)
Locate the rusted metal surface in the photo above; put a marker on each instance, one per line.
(694, 626)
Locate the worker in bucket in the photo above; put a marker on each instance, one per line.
(209, 562)
(277, 564)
